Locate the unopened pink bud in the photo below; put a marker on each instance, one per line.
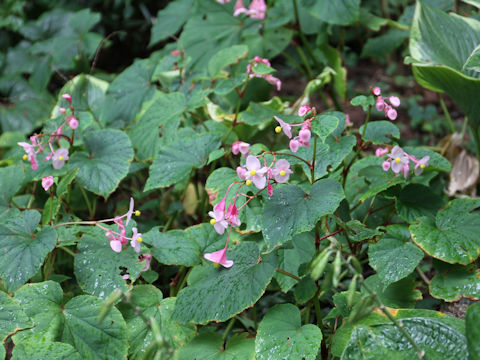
(241, 172)
(67, 97)
(304, 109)
(47, 181)
(61, 110)
(294, 145)
(380, 152)
(72, 122)
(376, 91)
(386, 165)
(380, 105)
(395, 101)
(270, 189)
(304, 135)
(175, 52)
(391, 113)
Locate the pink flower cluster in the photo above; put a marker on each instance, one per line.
(399, 161)
(382, 105)
(256, 10)
(268, 77)
(304, 135)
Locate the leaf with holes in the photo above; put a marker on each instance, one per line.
(281, 335)
(23, 250)
(453, 235)
(223, 293)
(279, 226)
(106, 161)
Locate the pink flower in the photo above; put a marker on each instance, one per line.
(220, 206)
(239, 8)
(61, 110)
(31, 154)
(269, 189)
(219, 257)
(286, 128)
(136, 240)
(376, 91)
(59, 158)
(294, 145)
(240, 146)
(232, 216)
(256, 173)
(73, 122)
(380, 152)
(257, 9)
(241, 172)
(47, 181)
(218, 221)
(348, 122)
(386, 165)
(147, 258)
(395, 101)
(390, 112)
(406, 169)
(281, 171)
(274, 81)
(380, 104)
(305, 136)
(399, 159)
(67, 97)
(304, 109)
(420, 165)
(116, 245)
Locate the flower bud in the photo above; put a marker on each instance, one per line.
(294, 145)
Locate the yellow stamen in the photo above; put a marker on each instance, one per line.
(139, 239)
(252, 172)
(248, 182)
(25, 157)
(278, 129)
(282, 173)
(213, 222)
(138, 212)
(216, 264)
(422, 166)
(60, 158)
(397, 160)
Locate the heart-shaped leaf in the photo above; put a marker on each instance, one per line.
(11, 179)
(209, 346)
(281, 335)
(377, 132)
(12, 317)
(455, 281)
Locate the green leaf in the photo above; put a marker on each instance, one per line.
(50, 210)
(175, 161)
(453, 235)
(157, 123)
(472, 319)
(291, 259)
(106, 161)
(281, 335)
(364, 101)
(226, 57)
(377, 181)
(440, 342)
(174, 247)
(359, 232)
(455, 281)
(377, 132)
(62, 187)
(99, 269)
(262, 69)
(23, 250)
(170, 20)
(339, 12)
(12, 317)
(400, 295)
(209, 346)
(394, 257)
(473, 61)
(148, 299)
(11, 179)
(417, 200)
(436, 163)
(305, 290)
(384, 44)
(325, 125)
(226, 292)
(41, 351)
(473, 2)
(279, 226)
(218, 183)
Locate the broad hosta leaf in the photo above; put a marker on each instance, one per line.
(377, 132)
(473, 61)
(149, 300)
(75, 323)
(339, 12)
(453, 235)
(281, 335)
(291, 211)
(160, 116)
(174, 247)
(473, 2)
(226, 292)
(209, 346)
(225, 57)
(99, 269)
(472, 319)
(170, 20)
(106, 161)
(394, 256)
(12, 317)
(41, 351)
(417, 200)
(23, 250)
(455, 281)
(440, 342)
(11, 179)
(401, 294)
(175, 161)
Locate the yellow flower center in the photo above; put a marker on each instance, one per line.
(25, 157)
(422, 166)
(397, 160)
(248, 182)
(282, 173)
(213, 222)
(139, 239)
(60, 158)
(252, 172)
(138, 212)
(278, 129)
